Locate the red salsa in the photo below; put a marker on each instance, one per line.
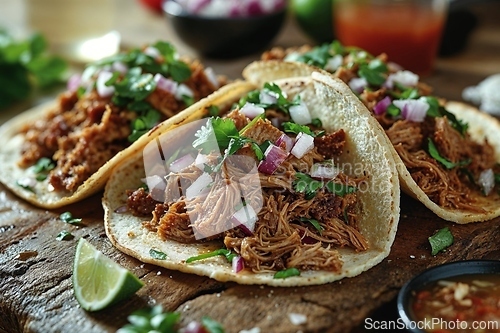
(469, 303)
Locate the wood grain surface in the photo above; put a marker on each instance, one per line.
(37, 296)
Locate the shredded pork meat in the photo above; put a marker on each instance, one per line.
(81, 134)
(282, 236)
(449, 188)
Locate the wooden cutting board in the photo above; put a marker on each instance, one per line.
(36, 292)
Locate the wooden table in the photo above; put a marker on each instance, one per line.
(35, 269)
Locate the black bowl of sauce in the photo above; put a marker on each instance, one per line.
(462, 296)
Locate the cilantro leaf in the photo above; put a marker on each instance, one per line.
(223, 130)
(433, 151)
(291, 127)
(144, 123)
(220, 252)
(442, 239)
(286, 273)
(151, 320)
(314, 222)
(155, 254)
(372, 75)
(305, 184)
(211, 326)
(68, 218)
(393, 110)
(340, 189)
(436, 110)
(64, 235)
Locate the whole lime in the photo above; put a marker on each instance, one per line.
(314, 17)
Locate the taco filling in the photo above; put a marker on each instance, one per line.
(436, 147)
(307, 208)
(108, 107)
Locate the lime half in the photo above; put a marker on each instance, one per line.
(98, 281)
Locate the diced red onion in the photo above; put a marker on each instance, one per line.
(183, 90)
(404, 77)
(181, 163)
(300, 114)
(195, 6)
(102, 89)
(284, 142)
(254, 8)
(27, 182)
(245, 219)
(119, 66)
(358, 84)
(306, 239)
(212, 77)
(381, 107)
(121, 210)
(238, 264)
(412, 109)
(152, 52)
(324, 170)
(334, 63)
(251, 110)
(165, 84)
(198, 186)
(74, 82)
(267, 98)
(303, 144)
(200, 161)
(156, 185)
(273, 157)
(487, 181)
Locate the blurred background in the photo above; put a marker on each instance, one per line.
(468, 52)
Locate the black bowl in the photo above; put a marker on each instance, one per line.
(445, 271)
(223, 37)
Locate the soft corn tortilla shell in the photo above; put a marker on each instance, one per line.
(10, 152)
(366, 151)
(481, 126)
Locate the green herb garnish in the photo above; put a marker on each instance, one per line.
(309, 186)
(314, 223)
(441, 240)
(25, 65)
(211, 326)
(23, 184)
(433, 151)
(291, 127)
(144, 123)
(340, 189)
(287, 273)
(220, 252)
(155, 254)
(436, 110)
(213, 110)
(64, 235)
(68, 218)
(151, 320)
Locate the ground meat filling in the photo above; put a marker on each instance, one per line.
(81, 134)
(449, 188)
(283, 236)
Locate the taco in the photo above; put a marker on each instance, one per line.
(60, 153)
(447, 154)
(294, 185)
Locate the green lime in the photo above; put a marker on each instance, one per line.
(98, 281)
(315, 18)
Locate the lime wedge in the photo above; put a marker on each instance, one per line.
(98, 281)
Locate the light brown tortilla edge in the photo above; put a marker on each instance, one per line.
(119, 226)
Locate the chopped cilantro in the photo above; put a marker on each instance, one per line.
(220, 252)
(316, 122)
(340, 189)
(440, 240)
(433, 151)
(68, 218)
(291, 127)
(305, 184)
(151, 320)
(436, 110)
(287, 273)
(23, 183)
(213, 110)
(393, 110)
(373, 76)
(64, 235)
(155, 254)
(25, 65)
(43, 164)
(319, 55)
(141, 125)
(224, 130)
(211, 326)
(314, 223)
